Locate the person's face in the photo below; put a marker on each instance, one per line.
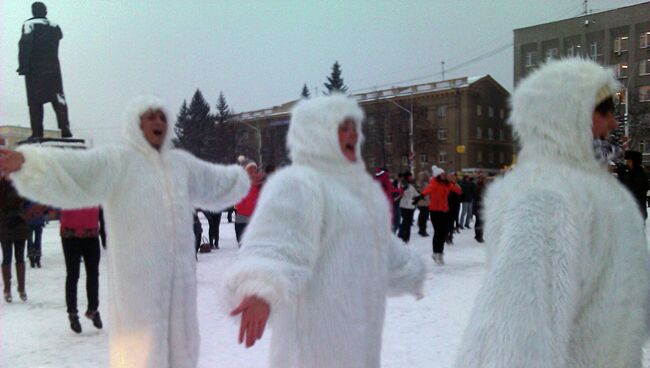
(603, 125)
(629, 164)
(251, 170)
(348, 138)
(153, 124)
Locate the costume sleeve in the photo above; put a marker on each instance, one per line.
(214, 187)
(523, 311)
(67, 178)
(25, 49)
(281, 243)
(406, 270)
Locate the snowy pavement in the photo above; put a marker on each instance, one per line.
(423, 333)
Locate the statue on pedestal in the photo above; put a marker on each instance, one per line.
(39, 63)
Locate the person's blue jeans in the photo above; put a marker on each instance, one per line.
(34, 241)
(466, 213)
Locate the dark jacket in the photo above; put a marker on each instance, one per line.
(12, 224)
(38, 60)
(636, 181)
(469, 191)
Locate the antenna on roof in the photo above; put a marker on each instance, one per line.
(585, 4)
(443, 69)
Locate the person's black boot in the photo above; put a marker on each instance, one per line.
(74, 322)
(94, 316)
(38, 261)
(32, 262)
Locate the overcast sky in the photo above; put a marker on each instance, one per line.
(259, 53)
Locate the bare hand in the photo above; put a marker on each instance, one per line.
(255, 313)
(10, 161)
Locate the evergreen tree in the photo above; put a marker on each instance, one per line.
(305, 92)
(335, 82)
(193, 125)
(181, 128)
(223, 110)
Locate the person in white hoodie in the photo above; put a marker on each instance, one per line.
(319, 254)
(568, 267)
(148, 191)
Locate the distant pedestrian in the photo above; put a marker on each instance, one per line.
(438, 192)
(635, 179)
(407, 206)
(423, 204)
(468, 187)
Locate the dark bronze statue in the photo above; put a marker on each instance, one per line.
(39, 63)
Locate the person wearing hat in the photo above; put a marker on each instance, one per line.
(438, 191)
(39, 62)
(635, 179)
(568, 276)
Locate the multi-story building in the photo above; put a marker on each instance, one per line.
(457, 124)
(618, 38)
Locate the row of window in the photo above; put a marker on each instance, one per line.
(594, 52)
(623, 69)
(479, 112)
(442, 158)
(442, 135)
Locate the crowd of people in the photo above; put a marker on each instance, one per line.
(323, 243)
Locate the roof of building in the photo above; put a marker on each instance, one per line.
(383, 94)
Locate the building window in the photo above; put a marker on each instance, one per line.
(442, 111)
(642, 146)
(620, 44)
(491, 157)
(530, 58)
(490, 111)
(502, 158)
(479, 133)
(502, 136)
(571, 51)
(644, 67)
(389, 160)
(244, 135)
(371, 120)
(552, 53)
(442, 157)
(490, 134)
(644, 40)
(502, 113)
(371, 162)
(442, 134)
(405, 161)
(594, 51)
(621, 70)
(479, 156)
(424, 158)
(389, 138)
(644, 93)
(479, 112)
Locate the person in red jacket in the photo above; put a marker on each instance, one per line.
(247, 205)
(81, 230)
(438, 192)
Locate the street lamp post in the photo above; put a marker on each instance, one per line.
(259, 140)
(411, 149)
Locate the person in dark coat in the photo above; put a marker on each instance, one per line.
(635, 180)
(38, 61)
(214, 220)
(467, 201)
(478, 208)
(13, 236)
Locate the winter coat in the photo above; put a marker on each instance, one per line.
(568, 268)
(407, 197)
(247, 205)
(469, 191)
(438, 192)
(38, 60)
(636, 181)
(424, 200)
(12, 224)
(319, 249)
(148, 198)
(79, 223)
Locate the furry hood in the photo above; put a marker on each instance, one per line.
(552, 109)
(132, 130)
(313, 132)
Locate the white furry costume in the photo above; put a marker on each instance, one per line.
(319, 249)
(567, 284)
(148, 197)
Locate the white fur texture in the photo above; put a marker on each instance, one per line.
(568, 275)
(319, 249)
(148, 198)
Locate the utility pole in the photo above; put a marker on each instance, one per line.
(443, 69)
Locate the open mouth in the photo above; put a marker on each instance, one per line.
(158, 132)
(349, 147)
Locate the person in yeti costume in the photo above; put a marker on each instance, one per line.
(319, 250)
(568, 267)
(148, 191)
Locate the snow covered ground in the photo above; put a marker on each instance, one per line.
(423, 333)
